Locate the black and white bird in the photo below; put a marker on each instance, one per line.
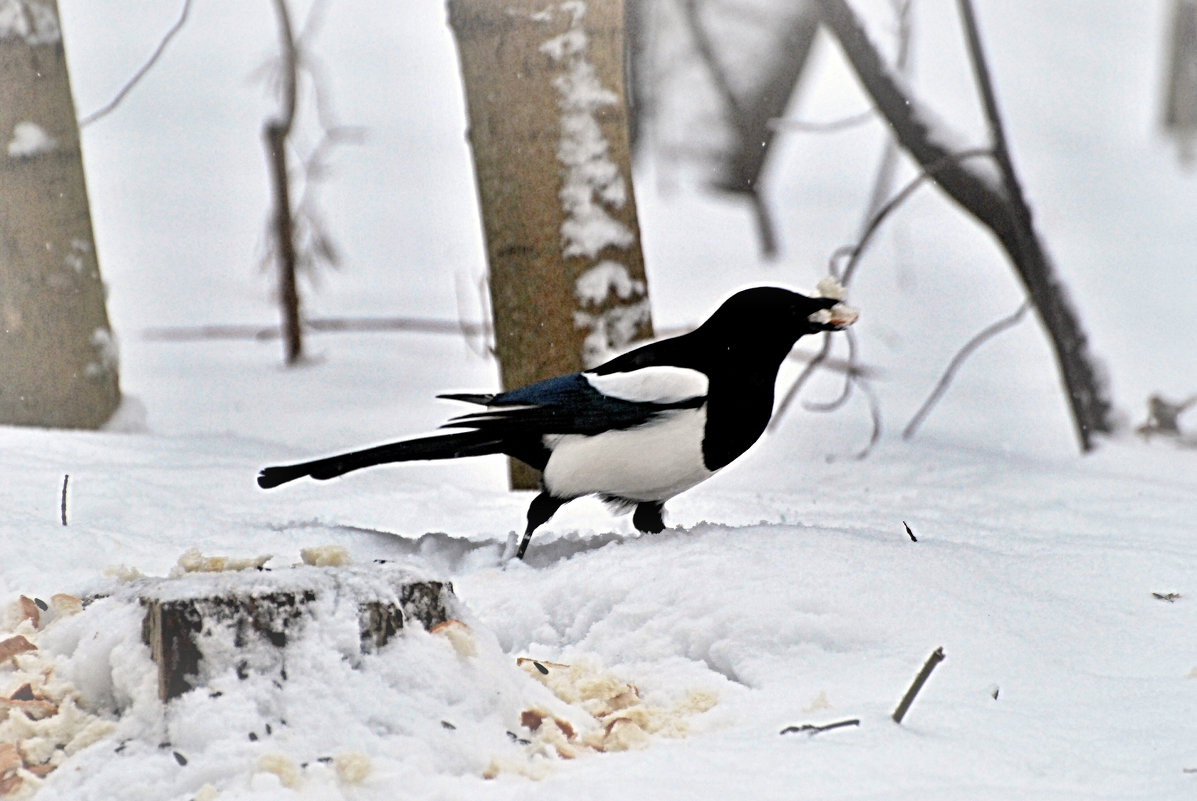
(636, 430)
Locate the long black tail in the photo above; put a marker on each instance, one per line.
(439, 446)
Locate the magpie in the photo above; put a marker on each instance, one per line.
(636, 430)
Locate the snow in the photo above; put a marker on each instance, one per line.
(786, 590)
(107, 354)
(622, 310)
(28, 140)
(592, 182)
(605, 279)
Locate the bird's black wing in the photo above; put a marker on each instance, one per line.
(581, 403)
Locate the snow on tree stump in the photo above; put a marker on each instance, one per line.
(200, 624)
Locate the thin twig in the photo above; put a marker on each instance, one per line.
(846, 391)
(854, 252)
(737, 116)
(806, 373)
(62, 507)
(145, 68)
(977, 341)
(812, 729)
(874, 415)
(290, 58)
(902, 14)
(275, 135)
(884, 178)
(998, 205)
(828, 126)
(993, 117)
(916, 685)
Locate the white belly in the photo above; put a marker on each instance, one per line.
(650, 463)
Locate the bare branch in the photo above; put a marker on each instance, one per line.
(290, 55)
(750, 112)
(998, 204)
(276, 133)
(802, 378)
(313, 23)
(977, 341)
(888, 165)
(853, 254)
(997, 131)
(874, 415)
(930, 173)
(828, 126)
(145, 68)
(846, 392)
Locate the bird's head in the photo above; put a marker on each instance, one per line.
(755, 328)
(775, 315)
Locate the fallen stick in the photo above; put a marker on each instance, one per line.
(812, 729)
(919, 680)
(62, 508)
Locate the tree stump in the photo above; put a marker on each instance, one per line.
(195, 624)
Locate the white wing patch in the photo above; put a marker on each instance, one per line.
(662, 384)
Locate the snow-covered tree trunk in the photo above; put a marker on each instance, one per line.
(548, 124)
(58, 362)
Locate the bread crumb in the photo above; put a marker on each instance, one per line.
(282, 766)
(194, 561)
(830, 287)
(459, 637)
(326, 556)
(64, 605)
(351, 766)
(208, 792)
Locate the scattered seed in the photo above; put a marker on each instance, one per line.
(544, 670)
(910, 533)
(182, 760)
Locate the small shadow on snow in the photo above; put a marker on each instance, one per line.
(450, 554)
(454, 554)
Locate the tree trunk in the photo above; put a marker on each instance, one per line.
(58, 359)
(548, 127)
(999, 205)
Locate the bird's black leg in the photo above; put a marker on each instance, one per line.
(649, 517)
(542, 508)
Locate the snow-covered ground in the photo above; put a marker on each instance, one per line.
(786, 591)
